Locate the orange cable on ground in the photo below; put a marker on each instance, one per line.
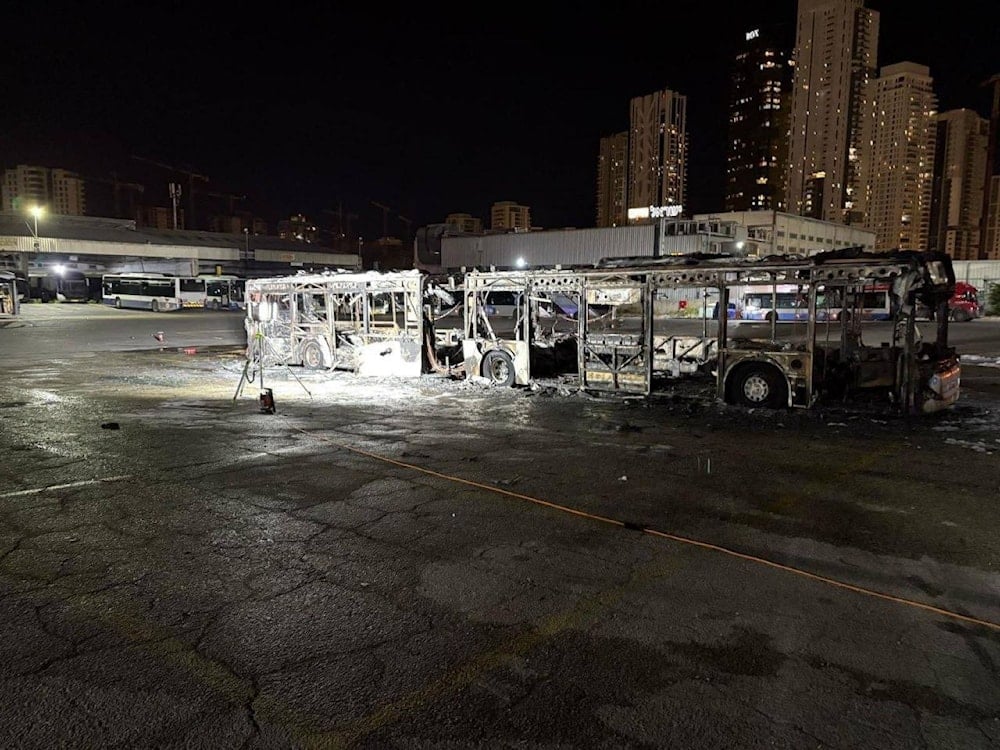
(662, 534)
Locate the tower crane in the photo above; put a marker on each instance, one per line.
(230, 197)
(117, 187)
(342, 219)
(385, 217)
(408, 223)
(191, 175)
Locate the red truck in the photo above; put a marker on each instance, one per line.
(964, 303)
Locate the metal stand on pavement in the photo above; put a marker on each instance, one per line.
(256, 360)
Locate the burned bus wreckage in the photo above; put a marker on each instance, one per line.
(635, 327)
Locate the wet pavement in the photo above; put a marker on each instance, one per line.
(437, 563)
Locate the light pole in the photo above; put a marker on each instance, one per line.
(35, 211)
(246, 252)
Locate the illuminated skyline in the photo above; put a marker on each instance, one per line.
(428, 116)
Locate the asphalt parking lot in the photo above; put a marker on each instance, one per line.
(438, 563)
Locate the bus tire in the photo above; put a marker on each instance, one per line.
(312, 356)
(758, 384)
(769, 317)
(118, 303)
(155, 305)
(498, 366)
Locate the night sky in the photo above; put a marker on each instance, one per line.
(307, 106)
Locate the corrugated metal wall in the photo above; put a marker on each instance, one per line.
(977, 272)
(575, 247)
(585, 247)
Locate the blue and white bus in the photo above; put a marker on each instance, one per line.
(144, 291)
(790, 302)
(775, 301)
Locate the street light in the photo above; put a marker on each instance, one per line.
(246, 253)
(36, 211)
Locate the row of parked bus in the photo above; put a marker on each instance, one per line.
(146, 291)
(165, 293)
(56, 284)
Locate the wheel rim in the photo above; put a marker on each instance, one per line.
(312, 357)
(499, 369)
(756, 389)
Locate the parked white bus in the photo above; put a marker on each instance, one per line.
(146, 291)
(192, 291)
(223, 292)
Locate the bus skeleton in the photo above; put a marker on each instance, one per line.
(328, 321)
(612, 329)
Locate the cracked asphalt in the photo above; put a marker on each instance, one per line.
(439, 564)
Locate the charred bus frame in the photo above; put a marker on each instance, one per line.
(370, 323)
(625, 343)
(629, 329)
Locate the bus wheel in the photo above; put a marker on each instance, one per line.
(155, 305)
(312, 356)
(499, 367)
(758, 385)
(118, 302)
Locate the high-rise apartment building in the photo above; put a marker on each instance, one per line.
(835, 56)
(959, 175)
(25, 186)
(992, 240)
(897, 157)
(158, 217)
(612, 181)
(657, 150)
(759, 104)
(58, 190)
(465, 223)
(68, 193)
(507, 215)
